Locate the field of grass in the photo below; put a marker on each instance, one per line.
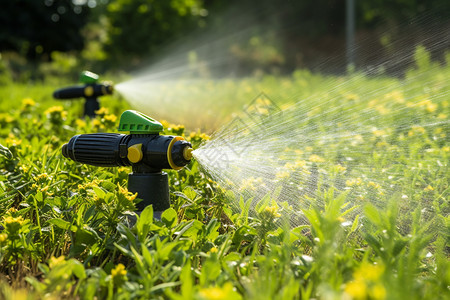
(64, 236)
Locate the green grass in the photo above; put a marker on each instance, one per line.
(64, 233)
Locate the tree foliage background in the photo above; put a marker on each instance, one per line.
(107, 34)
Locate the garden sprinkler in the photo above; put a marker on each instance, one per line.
(144, 149)
(90, 91)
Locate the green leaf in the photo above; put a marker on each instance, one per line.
(187, 282)
(399, 245)
(210, 271)
(355, 224)
(164, 252)
(169, 217)
(86, 237)
(99, 192)
(60, 223)
(164, 286)
(212, 230)
(372, 214)
(109, 186)
(190, 193)
(144, 221)
(77, 268)
(146, 255)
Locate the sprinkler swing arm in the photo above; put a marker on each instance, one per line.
(90, 91)
(144, 149)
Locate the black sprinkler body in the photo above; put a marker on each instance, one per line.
(144, 149)
(90, 91)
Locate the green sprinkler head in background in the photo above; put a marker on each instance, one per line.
(90, 91)
(144, 149)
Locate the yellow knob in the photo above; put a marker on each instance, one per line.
(135, 153)
(88, 91)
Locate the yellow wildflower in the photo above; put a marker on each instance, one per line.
(124, 191)
(442, 116)
(296, 165)
(428, 188)
(119, 271)
(110, 118)
(374, 185)
(353, 182)
(416, 129)
(3, 237)
(252, 183)
(282, 174)
(41, 176)
(11, 220)
(80, 123)
(102, 111)
(6, 118)
(96, 123)
(27, 103)
(340, 168)
(56, 114)
(368, 271)
(124, 170)
(164, 123)
(213, 250)
(198, 135)
(12, 140)
(54, 109)
(263, 101)
(382, 110)
(438, 130)
(373, 103)
(56, 261)
(431, 107)
(366, 282)
(353, 97)
(379, 132)
(272, 211)
(397, 96)
(316, 158)
(356, 289)
(298, 152)
(382, 144)
(378, 292)
(219, 293)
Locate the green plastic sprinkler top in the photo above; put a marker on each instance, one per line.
(138, 123)
(87, 77)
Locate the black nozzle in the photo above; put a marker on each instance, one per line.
(65, 151)
(89, 91)
(112, 149)
(98, 149)
(179, 156)
(84, 91)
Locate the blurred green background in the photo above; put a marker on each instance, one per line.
(42, 39)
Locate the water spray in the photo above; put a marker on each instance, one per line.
(144, 149)
(90, 91)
